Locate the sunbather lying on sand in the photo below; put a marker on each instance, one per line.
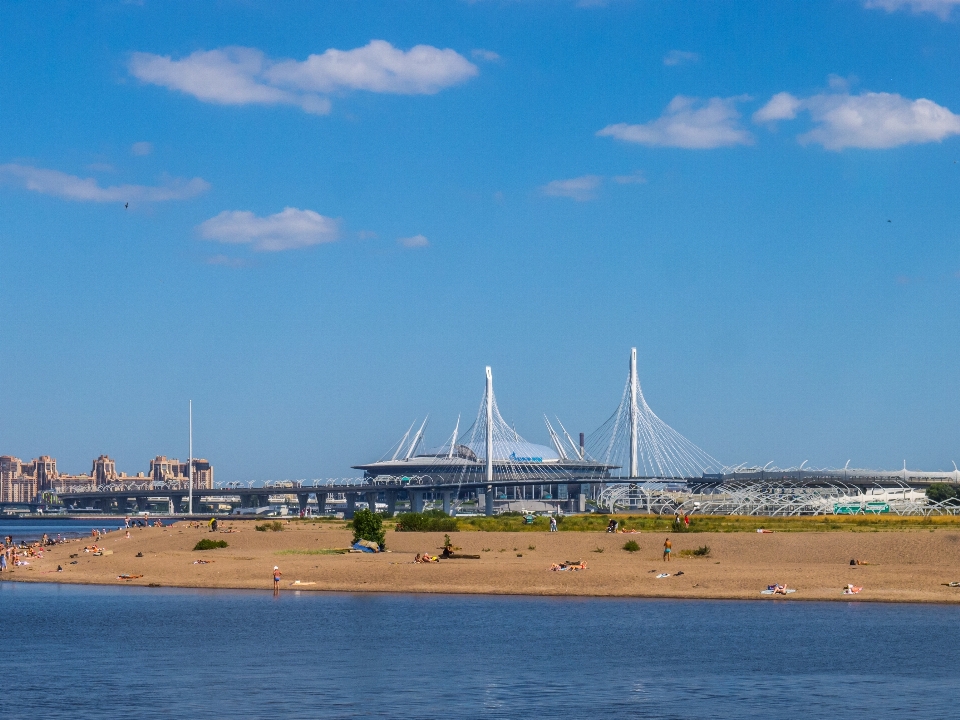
(851, 590)
(777, 589)
(568, 566)
(860, 562)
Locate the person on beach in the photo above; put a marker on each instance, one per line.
(667, 548)
(553, 523)
(276, 579)
(3, 561)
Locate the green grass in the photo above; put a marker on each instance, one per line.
(275, 526)
(207, 544)
(702, 551)
(321, 551)
(714, 523)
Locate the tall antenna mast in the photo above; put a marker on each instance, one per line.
(190, 465)
(633, 412)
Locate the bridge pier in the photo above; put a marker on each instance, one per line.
(446, 502)
(416, 500)
(302, 499)
(391, 497)
(488, 500)
(321, 503)
(176, 501)
(351, 506)
(141, 503)
(371, 498)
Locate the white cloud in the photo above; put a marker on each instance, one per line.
(286, 230)
(636, 178)
(141, 148)
(782, 106)
(71, 187)
(869, 120)
(486, 55)
(940, 8)
(244, 76)
(579, 188)
(680, 57)
(415, 241)
(688, 123)
(231, 76)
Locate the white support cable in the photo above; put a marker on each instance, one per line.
(416, 439)
(578, 451)
(403, 441)
(453, 440)
(555, 439)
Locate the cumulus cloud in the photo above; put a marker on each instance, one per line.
(679, 57)
(940, 8)
(782, 106)
(581, 188)
(868, 120)
(688, 123)
(636, 178)
(286, 230)
(486, 55)
(71, 187)
(415, 241)
(244, 76)
(141, 148)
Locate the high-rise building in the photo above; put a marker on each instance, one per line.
(104, 470)
(15, 485)
(45, 470)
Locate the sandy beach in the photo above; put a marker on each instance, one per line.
(905, 565)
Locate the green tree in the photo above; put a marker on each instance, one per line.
(938, 492)
(368, 526)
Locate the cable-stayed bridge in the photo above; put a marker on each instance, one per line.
(630, 459)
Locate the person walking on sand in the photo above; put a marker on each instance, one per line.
(667, 547)
(276, 579)
(553, 523)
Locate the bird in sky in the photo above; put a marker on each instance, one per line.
(126, 205)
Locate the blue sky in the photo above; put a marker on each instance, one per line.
(340, 212)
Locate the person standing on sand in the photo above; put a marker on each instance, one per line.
(667, 547)
(276, 579)
(553, 523)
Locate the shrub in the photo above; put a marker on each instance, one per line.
(431, 521)
(368, 526)
(207, 544)
(275, 526)
(631, 546)
(938, 492)
(702, 551)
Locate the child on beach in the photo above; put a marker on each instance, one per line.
(667, 547)
(276, 579)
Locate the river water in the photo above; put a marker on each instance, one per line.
(122, 652)
(33, 528)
